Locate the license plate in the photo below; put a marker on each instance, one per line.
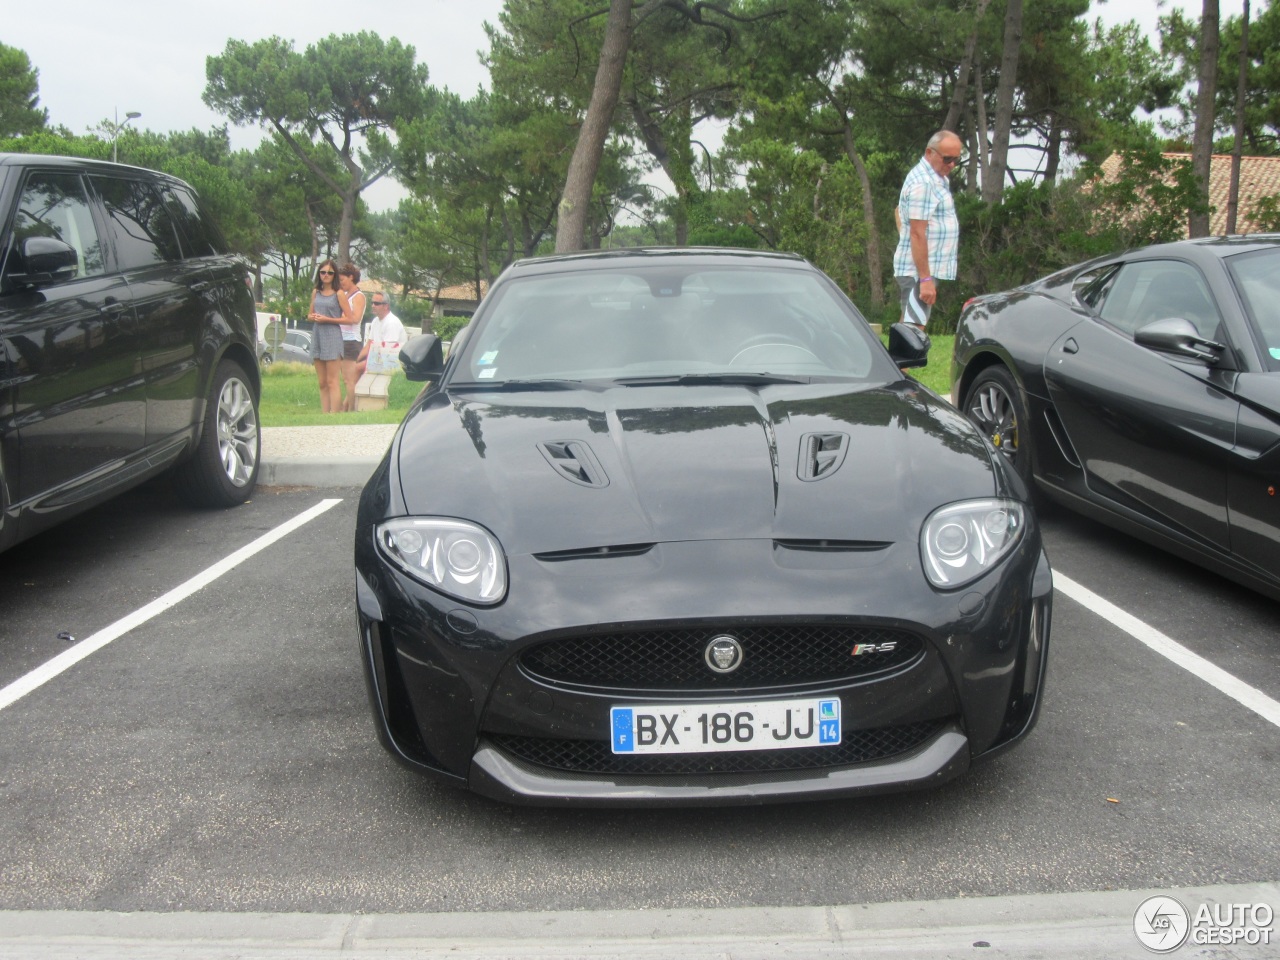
(724, 727)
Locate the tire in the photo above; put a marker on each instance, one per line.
(995, 406)
(224, 469)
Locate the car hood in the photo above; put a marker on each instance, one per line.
(585, 469)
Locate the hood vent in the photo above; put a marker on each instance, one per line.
(821, 454)
(573, 460)
(597, 553)
(833, 546)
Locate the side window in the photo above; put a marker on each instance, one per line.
(55, 205)
(1156, 290)
(1093, 288)
(200, 237)
(141, 225)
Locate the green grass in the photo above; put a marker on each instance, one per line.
(937, 375)
(291, 398)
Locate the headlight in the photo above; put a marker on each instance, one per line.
(961, 542)
(452, 556)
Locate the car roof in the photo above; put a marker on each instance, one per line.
(694, 256)
(77, 163)
(1223, 246)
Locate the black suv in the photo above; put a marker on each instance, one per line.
(127, 341)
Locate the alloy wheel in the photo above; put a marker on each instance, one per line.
(237, 431)
(992, 410)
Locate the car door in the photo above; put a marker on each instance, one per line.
(71, 346)
(1252, 486)
(1154, 433)
(170, 299)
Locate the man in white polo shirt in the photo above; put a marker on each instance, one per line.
(384, 328)
(928, 230)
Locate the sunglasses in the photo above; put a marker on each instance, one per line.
(379, 303)
(952, 161)
(326, 273)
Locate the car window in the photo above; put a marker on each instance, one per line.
(654, 322)
(55, 205)
(141, 225)
(1149, 290)
(200, 237)
(1257, 277)
(1092, 288)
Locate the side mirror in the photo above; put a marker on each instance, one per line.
(45, 260)
(1180, 338)
(422, 358)
(908, 345)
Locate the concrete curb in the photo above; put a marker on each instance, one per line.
(342, 455)
(1067, 925)
(316, 471)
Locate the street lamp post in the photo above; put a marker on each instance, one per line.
(115, 132)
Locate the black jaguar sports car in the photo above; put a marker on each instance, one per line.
(671, 526)
(1143, 390)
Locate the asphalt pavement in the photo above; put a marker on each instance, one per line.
(1043, 926)
(1065, 925)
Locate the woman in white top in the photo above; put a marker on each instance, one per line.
(351, 299)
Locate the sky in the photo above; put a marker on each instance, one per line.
(104, 59)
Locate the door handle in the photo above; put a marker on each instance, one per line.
(199, 286)
(113, 308)
(1071, 346)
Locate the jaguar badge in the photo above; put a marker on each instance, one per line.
(724, 654)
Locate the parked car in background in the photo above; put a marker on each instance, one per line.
(128, 343)
(294, 348)
(1143, 390)
(672, 527)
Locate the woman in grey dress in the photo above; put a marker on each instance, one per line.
(326, 336)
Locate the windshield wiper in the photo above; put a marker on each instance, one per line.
(518, 384)
(748, 379)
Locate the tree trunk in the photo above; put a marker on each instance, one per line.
(966, 67)
(993, 175)
(874, 270)
(1202, 144)
(348, 221)
(1237, 148)
(575, 201)
(972, 167)
(979, 158)
(674, 156)
(1053, 151)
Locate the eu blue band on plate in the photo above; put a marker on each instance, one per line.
(623, 725)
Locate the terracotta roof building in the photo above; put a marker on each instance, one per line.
(1259, 177)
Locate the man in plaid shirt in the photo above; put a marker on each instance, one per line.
(928, 231)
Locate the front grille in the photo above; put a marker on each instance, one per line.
(595, 756)
(774, 655)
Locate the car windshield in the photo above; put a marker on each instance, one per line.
(1258, 279)
(641, 325)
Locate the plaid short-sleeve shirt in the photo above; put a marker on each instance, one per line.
(927, 196)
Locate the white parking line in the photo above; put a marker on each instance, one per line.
(1215, 676)
(70, 657)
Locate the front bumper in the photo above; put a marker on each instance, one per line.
(453, 694)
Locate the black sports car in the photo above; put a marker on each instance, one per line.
(1144, 390)
(671, 526)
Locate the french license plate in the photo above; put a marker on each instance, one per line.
(723, 727)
